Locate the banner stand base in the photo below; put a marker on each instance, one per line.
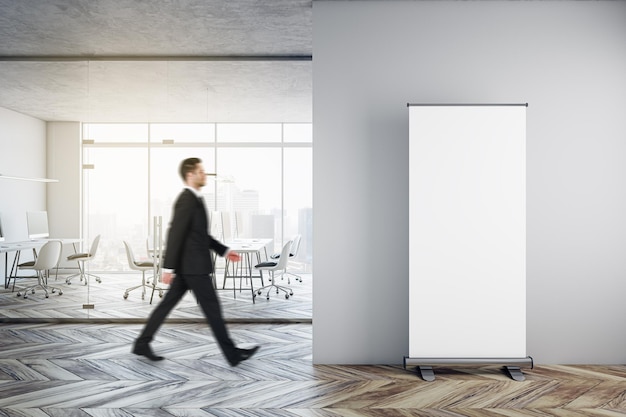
(426, 372)
(512, 366)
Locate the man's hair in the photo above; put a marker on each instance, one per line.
(187, 166)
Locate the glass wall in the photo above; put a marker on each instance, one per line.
(262, 186)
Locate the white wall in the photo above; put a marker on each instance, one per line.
(22, 154)
(567, 59)
(32, 148)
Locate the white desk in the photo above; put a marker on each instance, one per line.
(249, 249)
(18, 247)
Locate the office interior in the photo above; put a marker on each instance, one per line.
(566, 59)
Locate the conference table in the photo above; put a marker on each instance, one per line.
(18, 247)
(252, 252)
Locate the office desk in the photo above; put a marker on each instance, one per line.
(249, 249)
(18, 247)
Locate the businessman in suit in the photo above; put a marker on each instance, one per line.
(188, 265)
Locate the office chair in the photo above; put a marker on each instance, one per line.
(293, 252)
(48, 258)
(272, 267)
(22, 265)
(142, 266)
(81, 258)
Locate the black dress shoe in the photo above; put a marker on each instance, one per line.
(145, 350)
(242, 355)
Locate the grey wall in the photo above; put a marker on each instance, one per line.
(63, 201)
(567, 59)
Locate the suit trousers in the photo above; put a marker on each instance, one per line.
(202, 288)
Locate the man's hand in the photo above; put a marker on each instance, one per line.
(167, 278)
(233, 256)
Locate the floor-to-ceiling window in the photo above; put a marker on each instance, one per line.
(262, 186)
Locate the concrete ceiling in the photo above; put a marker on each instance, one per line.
(157, 60)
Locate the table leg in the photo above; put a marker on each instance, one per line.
(7, 280)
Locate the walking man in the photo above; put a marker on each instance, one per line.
(188, 265)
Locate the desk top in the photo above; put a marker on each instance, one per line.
(32, 244)
(248, 241)
(248, 245)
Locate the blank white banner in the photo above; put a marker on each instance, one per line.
(467, 219)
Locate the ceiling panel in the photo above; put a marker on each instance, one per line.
(114, 60)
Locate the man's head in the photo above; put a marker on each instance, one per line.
(192, 173)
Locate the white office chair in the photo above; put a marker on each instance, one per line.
(23, 265)
(272, 267)
(142, 266)
(47, 258)
(81, 258)
(293, 252)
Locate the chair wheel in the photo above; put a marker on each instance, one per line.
(68, 282)
(259, 292)
(32, 291)
(287, 296)
(47, 296)
(161, 294)
(19, 294)
(290, 292)
(53, 291)
(60, 292)
(125, 295)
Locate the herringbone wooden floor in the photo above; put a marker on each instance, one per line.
(88, 370)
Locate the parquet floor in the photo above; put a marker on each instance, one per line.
(88, 370)
(50, 366)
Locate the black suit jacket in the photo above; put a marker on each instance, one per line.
(189, 244)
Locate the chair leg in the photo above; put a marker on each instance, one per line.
(288, 291)
(83, 275)
(144, 284)
(97, 278)
(297, 277)
(80, 274)
(42, 282)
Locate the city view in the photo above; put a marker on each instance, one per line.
(255, 188)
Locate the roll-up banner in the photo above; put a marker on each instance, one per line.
(467, 219)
